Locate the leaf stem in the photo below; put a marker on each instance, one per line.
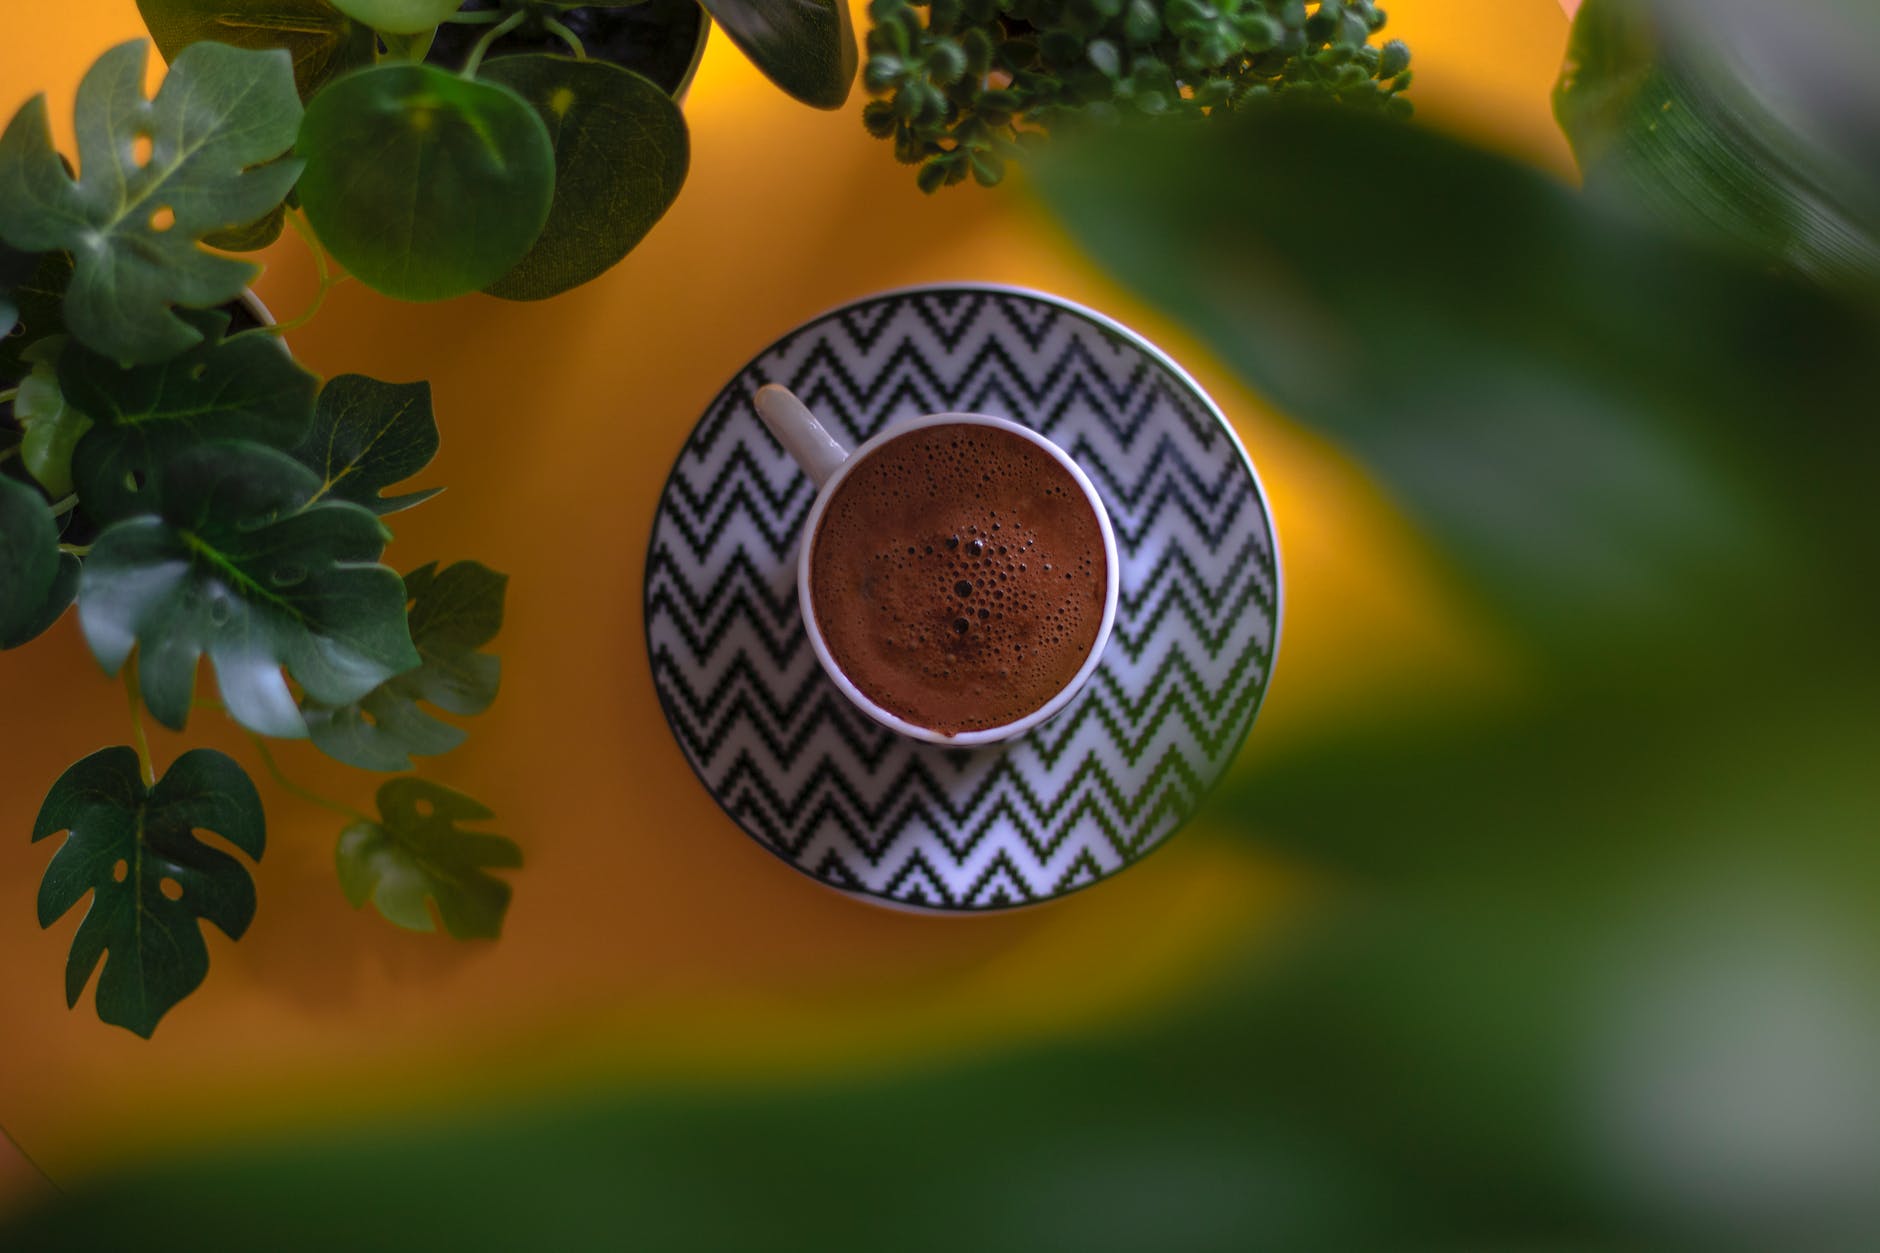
(565, 35)
(305, 794)
(328, 280)
(77, 550)
(6, 453)
(137, 722)
(490, 36)
(9, 395)
(63, 507)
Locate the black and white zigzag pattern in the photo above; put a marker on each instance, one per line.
(851, 803)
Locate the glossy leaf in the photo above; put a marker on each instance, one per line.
(399, 17)
(51, 426)
(126, 844)
(216, 128)
(423, 184)
(452, 614)
(235, 564)
(806, 47)
(1663, 117)
(322, 41)
(29, 560)
(368, 435)
(245, 387)
(620, 157)
(416, 852)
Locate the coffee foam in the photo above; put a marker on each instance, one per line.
(958, 577)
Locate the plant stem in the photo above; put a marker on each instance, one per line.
(288, 785)
(408, 47)
(490, 36)
(477, 17)
(65, 506)
(137, 723)
(566, 36)
(328, 281)
(77, 550)
(9, 395)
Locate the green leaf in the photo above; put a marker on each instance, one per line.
(620, 157)
(322, 41)
(38, 304)
(368, 435)
(246, 387)
(417, 851)
(216, 128)
(806, 47)
(52, 427)
(253, 237)
(15, 269)
(423, 184)
(235, 564)
(29, 561)
(399, 17)
(1665, 118)
(127, 843)
(451, 616)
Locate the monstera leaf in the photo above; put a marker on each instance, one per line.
(135, 849)
(322, 41)
(51, 427)
(237, 565)
(417, 851)
(36, 579)
(452, 615)
(806, 47)
(368, 435)
(215, 129)
(620, 157)
(423, 184)
(240, 388)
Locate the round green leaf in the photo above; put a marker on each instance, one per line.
(620, 157)
(423, 184)
(398, 17)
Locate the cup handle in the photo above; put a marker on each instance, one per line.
(802, 436)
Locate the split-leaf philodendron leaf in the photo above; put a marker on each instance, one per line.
(135, 849)
(806, 47)
(368, 435)
(234, 563)
(621, 152)
(322, 41)
(399, 17)
(52, 427)
(452, 615)
(424, 184)
(215, 130)
(240, 388)
(416, 851)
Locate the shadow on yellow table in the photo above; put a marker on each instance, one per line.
(649, 940)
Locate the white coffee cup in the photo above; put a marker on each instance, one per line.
(827, 462)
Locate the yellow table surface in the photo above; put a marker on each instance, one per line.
(649, 940)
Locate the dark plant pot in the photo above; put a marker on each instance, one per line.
(662, 39)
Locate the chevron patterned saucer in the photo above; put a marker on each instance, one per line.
(846, 801)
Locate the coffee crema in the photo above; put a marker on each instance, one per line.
(958, 577)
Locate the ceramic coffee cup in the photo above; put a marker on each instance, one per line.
(827, 462)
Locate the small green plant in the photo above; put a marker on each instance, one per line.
(198, 493)
(981, 82)
(518, 147)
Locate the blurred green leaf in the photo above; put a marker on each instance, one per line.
(236, 564)
(16, 268)
(126, 843)
(368, 435)
(322, 41)
(253, 237)
(806, 47)
(245, 387)
(51, 427)
(417, 852)
(216, 128)
(29, 560)
(1661, 116)
(620, 157)
(399, 17)
(37, 303)
(452, 614)
(423, 184)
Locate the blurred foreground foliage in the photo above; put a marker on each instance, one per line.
(1595, 967)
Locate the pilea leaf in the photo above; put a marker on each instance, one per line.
(806, 47)
(423, 184)
(368, 435)
(621, 152)
(29, 560)
(135, 849)
(52, 427)
(399, 17)
(451, 615)
(322, 41)
(215, 129)
(234, 563)
(416, 851)
(240, 388)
